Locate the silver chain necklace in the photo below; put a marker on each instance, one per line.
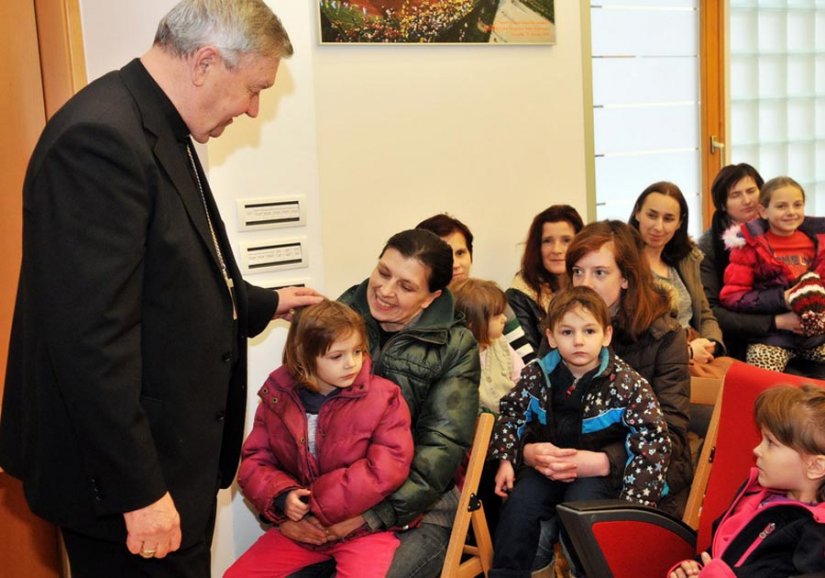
(227, 279)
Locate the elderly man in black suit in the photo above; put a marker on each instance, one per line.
(124, 402)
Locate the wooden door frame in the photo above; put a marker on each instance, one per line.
(62, 59)
(713, 96)
(62, 72)
(52, 39)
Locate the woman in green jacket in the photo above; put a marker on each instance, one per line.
(418, 341)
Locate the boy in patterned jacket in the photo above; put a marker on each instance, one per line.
(566, 407)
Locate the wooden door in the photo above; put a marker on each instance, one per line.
(713, 95)
(42, 66)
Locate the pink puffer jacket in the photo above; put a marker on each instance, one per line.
(363, 442)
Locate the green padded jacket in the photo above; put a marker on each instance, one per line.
(435, 362)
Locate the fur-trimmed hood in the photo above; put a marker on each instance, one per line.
(733, 237)
(737, 236)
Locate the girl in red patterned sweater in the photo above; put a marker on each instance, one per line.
(776, 265)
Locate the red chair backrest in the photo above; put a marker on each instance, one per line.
(737, 437)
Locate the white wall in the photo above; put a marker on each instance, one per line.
(378, 138)
(491, 134)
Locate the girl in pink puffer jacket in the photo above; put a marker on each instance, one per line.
(329, 442)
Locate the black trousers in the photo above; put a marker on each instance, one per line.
(96, 558)
(533, 500)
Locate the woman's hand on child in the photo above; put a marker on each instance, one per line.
(551, 461)
(505, 478)
(344, 528)
(308, 530)
(788, 322)
(702, 350)
(296, 507)
(690, 567)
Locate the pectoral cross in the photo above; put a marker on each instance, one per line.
(230, 285)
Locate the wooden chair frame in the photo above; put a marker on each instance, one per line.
(703, 391)
(464, 560)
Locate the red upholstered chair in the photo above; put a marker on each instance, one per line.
(620, 540)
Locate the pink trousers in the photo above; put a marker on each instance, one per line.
(274, 555)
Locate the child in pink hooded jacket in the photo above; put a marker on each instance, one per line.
(775, 526)
(329, 442)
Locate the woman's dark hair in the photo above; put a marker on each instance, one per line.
(680, 245)
(444, 225)
(532, 266)
(640, 304)
(436, 255)
(725, 180)
(727, 177)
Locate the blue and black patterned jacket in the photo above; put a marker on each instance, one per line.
(617, 405)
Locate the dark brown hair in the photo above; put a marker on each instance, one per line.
(569, 299)
(640, 304)
(479, 300)
(430, 250)
(679, 246)
(445, 225)
(725, 180)
(796, 417)
(313, 331)
(532, 266)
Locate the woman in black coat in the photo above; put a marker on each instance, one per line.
(735, 192)
(542, 268)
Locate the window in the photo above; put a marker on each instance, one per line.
(777, 90)
(646, 105)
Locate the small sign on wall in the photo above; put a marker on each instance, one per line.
(271, 212)
(276, 284)
(274, 255)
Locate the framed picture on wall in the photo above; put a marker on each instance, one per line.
(437, 21)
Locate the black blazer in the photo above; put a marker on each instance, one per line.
(126, 374)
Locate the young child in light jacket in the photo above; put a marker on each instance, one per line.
(483, 304)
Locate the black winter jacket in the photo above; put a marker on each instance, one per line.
(529, 315)
(618, 406)
(660, 355)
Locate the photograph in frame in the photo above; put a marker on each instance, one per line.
(437, 21)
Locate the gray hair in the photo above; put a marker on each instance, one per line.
(234, 27)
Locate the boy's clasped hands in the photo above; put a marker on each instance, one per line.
(548, 459)
(559, 464)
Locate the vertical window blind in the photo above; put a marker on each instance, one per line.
(645, 101)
